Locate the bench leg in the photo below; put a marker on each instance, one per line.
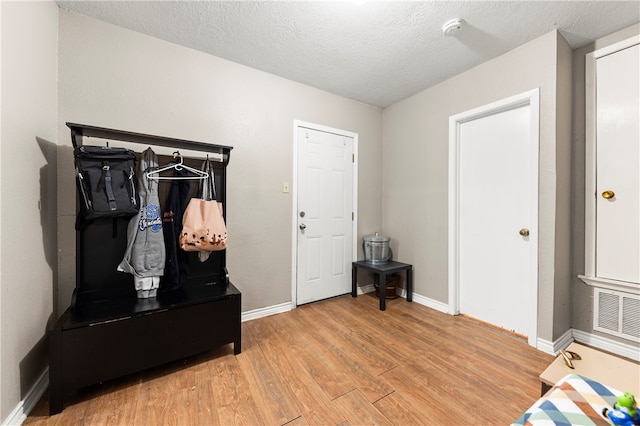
(354, 279)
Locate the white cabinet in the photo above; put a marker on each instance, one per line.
(612, 196)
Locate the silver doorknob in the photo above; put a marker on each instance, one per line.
(303, 226)
(524, 232)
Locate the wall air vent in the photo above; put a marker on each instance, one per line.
(617, 313)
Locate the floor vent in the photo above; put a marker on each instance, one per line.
(617, 313)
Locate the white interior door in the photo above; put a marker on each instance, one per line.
(618, 165)
(494, 265)
(324, 214)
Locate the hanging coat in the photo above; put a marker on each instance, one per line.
(177, 262)
(145, 253)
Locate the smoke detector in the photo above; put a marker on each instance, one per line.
(452, 26)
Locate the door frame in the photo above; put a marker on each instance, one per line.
(532, 99)
(297, 124)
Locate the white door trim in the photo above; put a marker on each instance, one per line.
(294, 207)
(531, 98)
(589, 276)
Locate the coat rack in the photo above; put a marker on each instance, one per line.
(107, 332)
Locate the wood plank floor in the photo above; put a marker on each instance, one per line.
(339, 361)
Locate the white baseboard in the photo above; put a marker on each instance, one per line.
(366, 289)
(613, 346)
(554, 348)
(402, 292)
(606, 344)
(545, 346)
(24, 407)
(267, 311)
(429, 303)
(564, 341)
(286, 307)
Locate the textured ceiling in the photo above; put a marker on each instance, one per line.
(378, 52)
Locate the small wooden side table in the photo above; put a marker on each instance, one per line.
(382, 269)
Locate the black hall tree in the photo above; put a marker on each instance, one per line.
(108, 332)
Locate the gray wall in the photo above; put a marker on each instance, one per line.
(415, 149)
(27, 193)
(582, 294)
(117, 78)
(562, 267)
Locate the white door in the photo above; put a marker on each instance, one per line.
(495, 248)
(618, 165)
(324, 214)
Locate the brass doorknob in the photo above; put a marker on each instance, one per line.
(524, 232)
(608, 194)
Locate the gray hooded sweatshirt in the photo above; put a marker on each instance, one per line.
(145, 253)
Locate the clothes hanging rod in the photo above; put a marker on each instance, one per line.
(79, 131)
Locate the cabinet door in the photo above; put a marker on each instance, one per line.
(618, 165)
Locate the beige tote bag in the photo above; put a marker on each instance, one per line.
(203, 227)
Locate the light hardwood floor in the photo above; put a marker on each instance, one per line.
(339, 361)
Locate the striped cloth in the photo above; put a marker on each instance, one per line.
(574, 400)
